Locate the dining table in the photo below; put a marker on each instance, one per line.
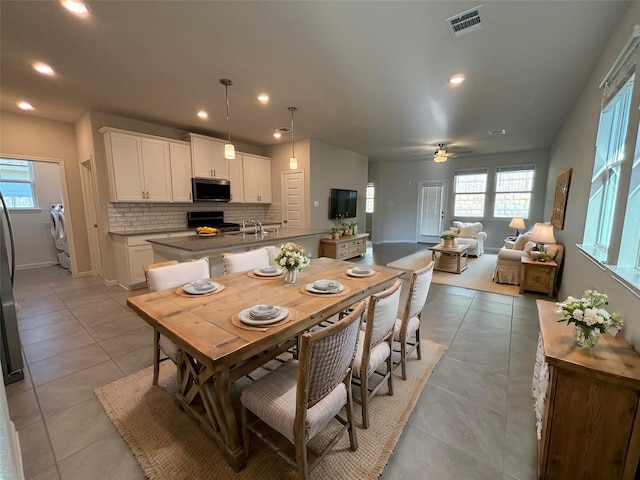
(218, 348)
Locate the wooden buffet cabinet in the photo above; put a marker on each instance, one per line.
(347, 246)
(586, 404)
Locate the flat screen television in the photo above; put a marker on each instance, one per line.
(343, 203)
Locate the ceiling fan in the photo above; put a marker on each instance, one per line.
(443, 152)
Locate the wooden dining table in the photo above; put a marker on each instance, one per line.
(217, 350)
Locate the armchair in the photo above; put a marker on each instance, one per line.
(470, 233)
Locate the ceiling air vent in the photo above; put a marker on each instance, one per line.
(284, 129)
(465, 22)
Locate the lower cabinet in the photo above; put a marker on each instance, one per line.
(345, 247)
(586, 404)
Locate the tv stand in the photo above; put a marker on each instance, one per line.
(345, 247)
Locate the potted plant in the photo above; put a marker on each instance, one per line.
(335, 233)
(348, 228)
(448, 239)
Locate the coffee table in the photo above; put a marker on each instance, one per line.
(453, 260)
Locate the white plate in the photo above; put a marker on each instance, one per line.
(245, 317)
(324, 284)
(312, 289)
(190, 289)
(262, 274)
(207, 234)
(351, 273)
(263, 312)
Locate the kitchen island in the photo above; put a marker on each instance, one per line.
(213, 247)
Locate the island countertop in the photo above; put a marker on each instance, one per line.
(197, 243)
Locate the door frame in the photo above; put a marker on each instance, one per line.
(445, 187)
(88, 184)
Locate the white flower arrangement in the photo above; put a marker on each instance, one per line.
(292, 256)
(588, 312)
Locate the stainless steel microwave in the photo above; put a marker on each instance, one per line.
(211, 190)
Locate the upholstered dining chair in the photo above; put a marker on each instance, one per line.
(300, 398)
(170, 276)
(245, 261)
(374, 346)
(408, 325)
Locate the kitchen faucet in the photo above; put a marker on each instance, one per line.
(255, 226)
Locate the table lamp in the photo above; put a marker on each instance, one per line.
(517, 223)
(542, 234)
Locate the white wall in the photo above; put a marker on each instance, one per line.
(574, 148)
(32, 233)
(396, 205)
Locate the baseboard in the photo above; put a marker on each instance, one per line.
(29, 266)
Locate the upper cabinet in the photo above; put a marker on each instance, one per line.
(140, 167)
(207, 157)
(236, 182)
(180, 171)
(257, 178)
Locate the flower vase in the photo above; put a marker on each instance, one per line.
(585, 336)
(291, 275)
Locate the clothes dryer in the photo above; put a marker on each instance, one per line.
(64, 243)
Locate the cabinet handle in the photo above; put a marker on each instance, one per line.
(143, 194)
(189, 195)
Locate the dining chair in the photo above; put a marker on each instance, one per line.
(245, 261)
(408, 325)
(170, 276)
(301, 397)
(374, 346)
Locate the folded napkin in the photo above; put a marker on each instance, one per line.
(325, 285)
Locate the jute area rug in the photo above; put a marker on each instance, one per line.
(477, 276)
(169, 445)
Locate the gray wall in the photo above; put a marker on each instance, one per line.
(396, 202)
(574, 148)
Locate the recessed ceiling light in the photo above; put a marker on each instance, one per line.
(202, 114)
(43, 68)
(25, 105)
(277, 135)
(456, 79)
(76, 7)
(263, 98)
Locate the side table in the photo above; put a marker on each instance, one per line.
(537, 276)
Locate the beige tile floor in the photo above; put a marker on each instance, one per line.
(474, 418)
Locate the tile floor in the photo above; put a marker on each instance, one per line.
(473, 420)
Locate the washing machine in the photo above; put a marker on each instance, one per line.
(58, 236)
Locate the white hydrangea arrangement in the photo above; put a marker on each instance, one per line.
(292, 256)
(589, 312)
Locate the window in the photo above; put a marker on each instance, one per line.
(17, 183)
(513, 192)
(470, 192)
(370, 197)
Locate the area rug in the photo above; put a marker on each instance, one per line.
(477, 276)
(169, 445)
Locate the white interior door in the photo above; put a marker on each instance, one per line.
(431, 211)
(293, 200)
(91, 216)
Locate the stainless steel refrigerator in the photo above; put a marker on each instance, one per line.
(10, 350)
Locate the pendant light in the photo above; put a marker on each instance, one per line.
(293, 161)
(229, 150)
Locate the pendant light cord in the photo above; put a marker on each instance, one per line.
(293, 133)
(226, 94)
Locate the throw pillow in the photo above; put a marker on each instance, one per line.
(521, 241)
(468, 232)
(528, 246)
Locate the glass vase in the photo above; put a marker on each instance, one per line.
(291, 275)
(586, 337)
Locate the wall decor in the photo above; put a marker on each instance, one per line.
(560, 198)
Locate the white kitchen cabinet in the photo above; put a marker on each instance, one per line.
(139, 167)
(133, 253)
(180, 154)
(207, 157)
(257, 178)
(236, 181)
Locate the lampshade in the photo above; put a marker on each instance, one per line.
(542, 233)
(293, 160)
(517, 223)
(229, 149)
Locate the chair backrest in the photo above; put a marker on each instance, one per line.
(418, 291)
(146, 268)
(326, 356)
(382, 313)
(171, 276)
(244, 261)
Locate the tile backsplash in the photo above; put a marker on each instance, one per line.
(132, 217)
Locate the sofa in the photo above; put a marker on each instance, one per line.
(470, 233)
(508, 263)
